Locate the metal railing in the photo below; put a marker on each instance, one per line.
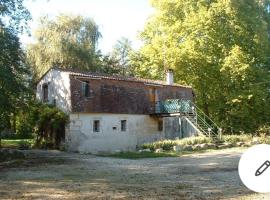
(172, 106)
(190, 110)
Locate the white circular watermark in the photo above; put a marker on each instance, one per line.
(254, 168)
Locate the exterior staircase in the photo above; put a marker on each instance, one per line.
(189, 110)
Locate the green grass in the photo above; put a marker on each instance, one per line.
(138, 155)
(16, 143)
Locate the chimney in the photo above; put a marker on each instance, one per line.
(169, 77)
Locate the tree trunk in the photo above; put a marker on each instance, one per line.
(14, 122)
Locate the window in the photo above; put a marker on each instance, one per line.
(85, 88)
(45, 92)
(160, 125)
(123, 125)
(96, 126)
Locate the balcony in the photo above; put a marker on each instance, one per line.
(188, 110)
(172, 106)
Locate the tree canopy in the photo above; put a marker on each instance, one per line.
(13, 72)
(68, 42)
(120, 53)
(221, 48)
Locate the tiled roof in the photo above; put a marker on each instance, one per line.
(115, 77)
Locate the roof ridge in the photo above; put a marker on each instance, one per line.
(115, 77)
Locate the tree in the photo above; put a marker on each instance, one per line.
(13, 72)
(68, 42)
(221, 48)
(120, 53)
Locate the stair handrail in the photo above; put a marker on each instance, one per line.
(202, 118)
(205, 116)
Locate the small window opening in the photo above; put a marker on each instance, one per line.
(160, 125)
(45, 92)
(123, 125)
(85, 88)
(96, 126)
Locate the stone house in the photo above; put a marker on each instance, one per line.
(109, 113)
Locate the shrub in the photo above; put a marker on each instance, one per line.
(195, 140)
(236, 138)
(49, 126)
(24, 128)
(263, 130)
(167, 145)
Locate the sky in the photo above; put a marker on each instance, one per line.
(115, 18)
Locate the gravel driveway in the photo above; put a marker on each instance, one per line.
(59, 175)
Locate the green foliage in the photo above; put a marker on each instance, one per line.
(236, 138)
(140, 155)
(14, 15)
(120, 53)
(67, 42)
(18, 143)
(220, 48)
(195, 140)
(263, 130)
(50, 125)
(109, 65)
(43, 122)
(167, 145)
(13, 71)
(24, 125)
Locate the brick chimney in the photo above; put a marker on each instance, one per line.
(169, 77)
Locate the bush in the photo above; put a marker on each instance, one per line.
(8, 134)
(49, 126)
(195, 140)
(24, 129)
(236, 138)
(263, 130)
(167, 145)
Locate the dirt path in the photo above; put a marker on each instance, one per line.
(58, 175)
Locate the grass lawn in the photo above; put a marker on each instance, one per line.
(140, 155)
(16, 143)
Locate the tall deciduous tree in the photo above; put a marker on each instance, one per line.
(221, 48)
(120, 53)
(13, 21)
(67, 42)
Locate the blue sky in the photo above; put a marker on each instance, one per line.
(116, 18)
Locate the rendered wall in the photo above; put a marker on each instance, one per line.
(81, 137)
(58, 89)
(178, 127)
